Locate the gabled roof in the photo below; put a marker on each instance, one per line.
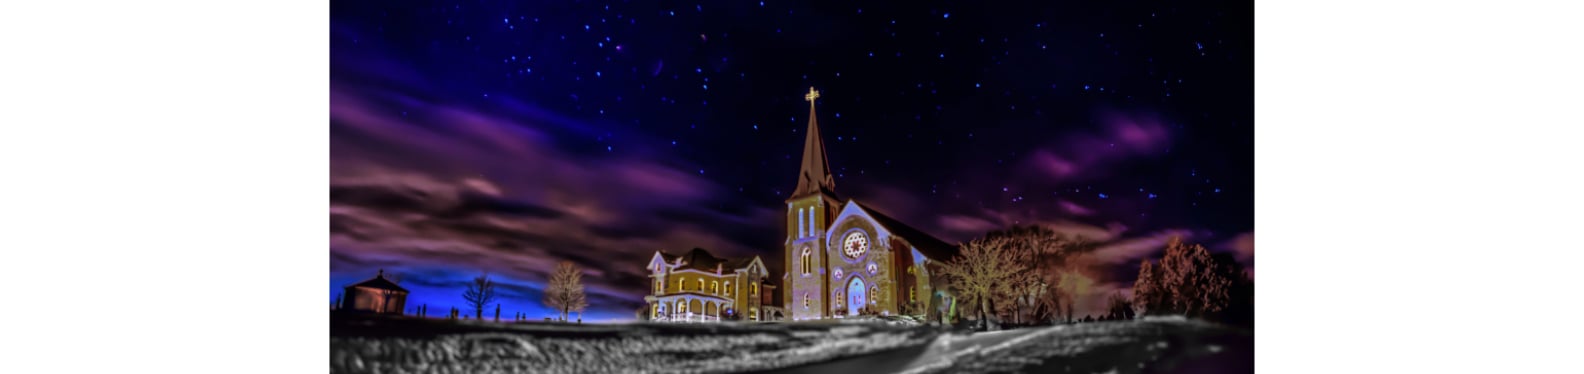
(932, 248)
(379, 282)
(701, 260)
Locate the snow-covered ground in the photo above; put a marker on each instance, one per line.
(417, 346)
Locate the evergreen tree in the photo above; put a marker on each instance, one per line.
(1146, 290)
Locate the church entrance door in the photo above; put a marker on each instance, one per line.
(856, 298)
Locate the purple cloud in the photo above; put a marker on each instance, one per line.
(441, 192)
(1084, 156)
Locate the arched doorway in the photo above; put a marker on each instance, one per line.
(856, 296)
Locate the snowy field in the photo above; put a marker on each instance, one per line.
(362, 345)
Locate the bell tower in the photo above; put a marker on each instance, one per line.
(809, 211)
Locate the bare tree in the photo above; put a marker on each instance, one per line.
(1120, 308)
(984, 269)
(1051, 256)
(479, 293)
(1190, 279)
(565, 292)
(1047, 301)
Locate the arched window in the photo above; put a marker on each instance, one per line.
(806, 263)
(802, 226)
(715, 287)
(658, 288)
(753, 290)
(728, 288)
(701, 285)
(873, 295)
(681, 307)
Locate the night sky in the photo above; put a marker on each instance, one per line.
(501, 137)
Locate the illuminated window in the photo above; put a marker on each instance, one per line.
(753, 290)
(910, 294)
(701, 285)
(802, 226)
(753, 314)
(681, 306)
(715, 287)
(806, 263)
(812, 222)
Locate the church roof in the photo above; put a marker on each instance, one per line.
(932, 248)
(379, 282)
(701, 260)
(814, 176)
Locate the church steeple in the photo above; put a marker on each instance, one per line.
(815, 174)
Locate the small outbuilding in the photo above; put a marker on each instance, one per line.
(377, 295)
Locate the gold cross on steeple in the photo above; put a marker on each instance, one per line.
(813, 94)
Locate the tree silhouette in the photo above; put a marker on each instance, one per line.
(1238, 307)
(1148, 295)
(565, 292)
(1191, 281)
(984, 269)
(1121, 308)
(1053, 256)
(479, 293)
(1048, 303)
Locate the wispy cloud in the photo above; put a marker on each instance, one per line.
(1088, 156)
(425, 185)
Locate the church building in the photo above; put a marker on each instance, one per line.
(845, 258)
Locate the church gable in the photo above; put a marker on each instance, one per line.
(927, 245)
(853, 219)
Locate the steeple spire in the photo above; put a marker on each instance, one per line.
(815, 174)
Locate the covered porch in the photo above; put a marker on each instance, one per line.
(687, 307)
